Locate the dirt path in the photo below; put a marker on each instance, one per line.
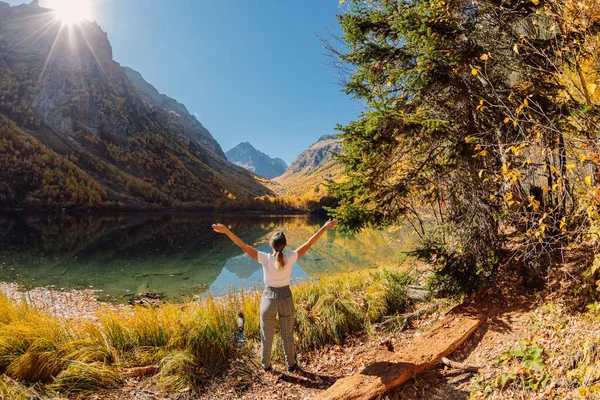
(509, 322)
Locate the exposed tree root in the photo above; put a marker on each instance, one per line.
(140, 371)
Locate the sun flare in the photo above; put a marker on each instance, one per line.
(71, 12)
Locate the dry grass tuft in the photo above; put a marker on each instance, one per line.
(80, 377)
(331, 309)
(178, 371)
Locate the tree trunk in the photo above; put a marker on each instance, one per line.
(425, 352)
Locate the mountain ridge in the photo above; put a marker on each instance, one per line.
(169, 105)
(307, 175)
(315, 157)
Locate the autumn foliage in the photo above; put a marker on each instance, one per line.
(32, 174)
(481, 129)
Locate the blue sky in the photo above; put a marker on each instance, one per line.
(250, 70)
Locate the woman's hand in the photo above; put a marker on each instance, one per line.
(330, 224)
(220, 228)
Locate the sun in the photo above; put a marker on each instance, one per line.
(71, 12)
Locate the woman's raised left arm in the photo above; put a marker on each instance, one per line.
(251, 251)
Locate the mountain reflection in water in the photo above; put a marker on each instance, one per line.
(175, 254)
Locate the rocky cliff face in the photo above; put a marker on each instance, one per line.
(63, 77)
(173, 114)
(313, 158)
(60, 85)
(246, 156)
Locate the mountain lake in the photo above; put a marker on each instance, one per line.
(178, 255)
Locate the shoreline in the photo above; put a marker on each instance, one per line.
(76, 304)
(45, 296)
(89, 302)
(100, 211)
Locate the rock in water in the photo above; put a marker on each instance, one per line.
(147, 299)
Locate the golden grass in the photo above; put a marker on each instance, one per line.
(178, 371)
(81, 377)
(13, 390)
(329, 310)
(188, 340)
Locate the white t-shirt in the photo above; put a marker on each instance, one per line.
(277, 277)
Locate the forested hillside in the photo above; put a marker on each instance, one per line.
(101, 125)
(30, 172)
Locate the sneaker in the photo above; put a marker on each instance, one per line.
(293, 368)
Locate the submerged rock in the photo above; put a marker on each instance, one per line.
(147, 299)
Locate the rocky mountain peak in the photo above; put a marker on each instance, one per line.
(318, 154)
(246, 156)
(328, 137)
(308, 173)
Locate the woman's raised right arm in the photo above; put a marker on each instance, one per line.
(332, 223)
(251, 251)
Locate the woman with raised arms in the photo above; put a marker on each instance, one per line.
(277, 296)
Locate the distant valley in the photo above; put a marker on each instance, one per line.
(304, 178)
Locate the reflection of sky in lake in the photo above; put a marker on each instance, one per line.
(243, 272)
